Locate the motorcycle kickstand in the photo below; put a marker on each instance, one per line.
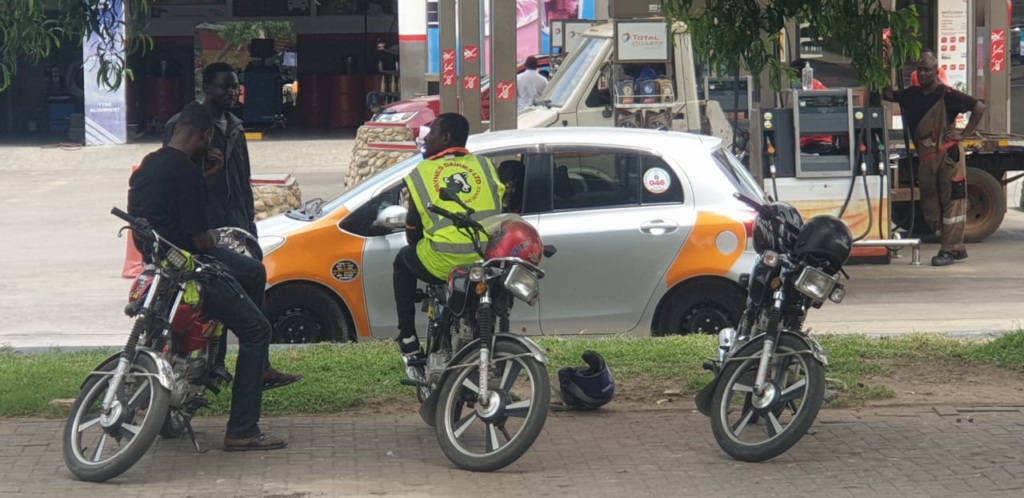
(192, 435)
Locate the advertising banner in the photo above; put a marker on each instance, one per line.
(106, 120)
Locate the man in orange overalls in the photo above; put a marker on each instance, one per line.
(929, 111)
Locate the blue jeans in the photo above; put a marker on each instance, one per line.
(252, 275)
(226, 300)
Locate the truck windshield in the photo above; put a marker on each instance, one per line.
(568, 77)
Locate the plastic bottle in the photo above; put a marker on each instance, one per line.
(807, 76)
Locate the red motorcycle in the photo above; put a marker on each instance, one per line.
(157, 383)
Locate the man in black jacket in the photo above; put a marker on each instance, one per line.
(229, 198)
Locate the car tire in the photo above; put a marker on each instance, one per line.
(304, 313)
(706, 307)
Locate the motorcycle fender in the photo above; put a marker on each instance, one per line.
(429, 406)
(813, 345)
(165, 374)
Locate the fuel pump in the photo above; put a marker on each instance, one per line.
(825, 154)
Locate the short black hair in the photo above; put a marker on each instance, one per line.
(195, 117)
(531, 62)
(512, 171)
(455, 125)
(210, 72)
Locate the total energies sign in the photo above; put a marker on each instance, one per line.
(641, 41)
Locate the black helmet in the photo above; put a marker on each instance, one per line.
(825, 242)
(763, 239)
(589, 387)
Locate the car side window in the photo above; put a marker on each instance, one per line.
(660, 183)
(595, 179)
(361, 221)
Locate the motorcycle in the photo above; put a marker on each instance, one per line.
(157, 383)
(770, 374)
(474, 372)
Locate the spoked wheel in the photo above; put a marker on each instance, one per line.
(755, 428)
(99, 447)
(485, 439)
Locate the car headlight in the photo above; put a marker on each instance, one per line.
(522, 283)
(815, 283)
(395, 117)
(270, 243)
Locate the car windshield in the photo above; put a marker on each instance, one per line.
(368, 184)
(738, 175)
(568, 77)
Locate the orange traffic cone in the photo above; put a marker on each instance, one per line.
(132, 258)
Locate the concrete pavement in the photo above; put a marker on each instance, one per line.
(60, 278)
(918, 451)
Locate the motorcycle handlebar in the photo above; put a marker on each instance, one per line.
(123, 215)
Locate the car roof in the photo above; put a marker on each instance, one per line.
(678, 142)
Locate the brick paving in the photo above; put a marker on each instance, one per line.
(902, 451)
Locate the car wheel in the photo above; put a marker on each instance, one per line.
(701, 307)
(302, 313)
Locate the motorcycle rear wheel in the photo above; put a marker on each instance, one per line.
(459, 418)
(737, 381)
(128, 437)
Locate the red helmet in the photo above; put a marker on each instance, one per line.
(514, 237)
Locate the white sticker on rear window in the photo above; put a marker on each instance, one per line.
(657, 181)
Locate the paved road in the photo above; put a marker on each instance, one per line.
(61, 283)
(918, 451)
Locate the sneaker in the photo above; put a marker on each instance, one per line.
(410, 346)
(944, 258)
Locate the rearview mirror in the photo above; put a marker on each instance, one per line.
(391, 217)
(448, 194)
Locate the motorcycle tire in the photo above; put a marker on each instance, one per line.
(94, 389)
(794, 431)
(540, 401)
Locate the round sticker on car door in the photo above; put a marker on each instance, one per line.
(657, 181)
(345, 270)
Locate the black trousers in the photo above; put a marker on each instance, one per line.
(252, 276)
(408, 270)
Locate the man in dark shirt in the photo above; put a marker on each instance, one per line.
(929, 112)
(229, 185)
(169, 191)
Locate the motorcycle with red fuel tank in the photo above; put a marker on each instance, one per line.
(157, 383)
(484, 389)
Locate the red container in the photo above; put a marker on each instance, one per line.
(347, 99)
(313, 100)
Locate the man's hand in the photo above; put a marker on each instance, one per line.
(213, 164)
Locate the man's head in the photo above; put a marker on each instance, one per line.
(220, 85)
(511, 173)
(531, 62)
(194, 131)
(447, 131)
(927, 69)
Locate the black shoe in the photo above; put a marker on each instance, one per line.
(410, 346)
(962, 255)
(944, 258)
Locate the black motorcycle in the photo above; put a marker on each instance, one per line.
(770, 375)
(484, 389)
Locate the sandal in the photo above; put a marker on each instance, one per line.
(279, 379)
(261, 442)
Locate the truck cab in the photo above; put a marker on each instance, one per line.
(590, 88)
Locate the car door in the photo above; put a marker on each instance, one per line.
(618, 219)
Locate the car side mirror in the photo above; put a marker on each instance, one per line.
(391, 217)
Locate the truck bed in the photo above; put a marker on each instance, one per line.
(980, 143)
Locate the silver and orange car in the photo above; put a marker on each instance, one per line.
(649, 238)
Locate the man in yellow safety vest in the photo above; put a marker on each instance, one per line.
(435, 244)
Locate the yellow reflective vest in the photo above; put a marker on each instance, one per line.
(475, 179)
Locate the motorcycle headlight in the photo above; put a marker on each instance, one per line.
(522, 283)
(176, 259)
(815, 283)
(270, 243)
(395, 117)
(476, 274)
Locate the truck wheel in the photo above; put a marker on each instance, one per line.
(986, 205)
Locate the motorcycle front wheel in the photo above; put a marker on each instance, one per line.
(753, 428)
(485, 439)
(100, 447)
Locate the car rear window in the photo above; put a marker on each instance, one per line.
(737, 175)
